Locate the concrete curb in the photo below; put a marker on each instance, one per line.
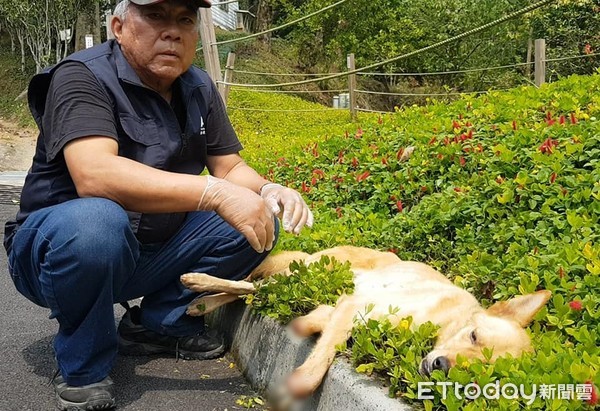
(266, 353)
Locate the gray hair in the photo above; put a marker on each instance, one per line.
(121, 9)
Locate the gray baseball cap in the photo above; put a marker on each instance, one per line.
(196, 3)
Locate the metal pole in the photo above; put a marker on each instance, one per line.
(352, 86)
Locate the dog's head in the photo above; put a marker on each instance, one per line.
(500, 328)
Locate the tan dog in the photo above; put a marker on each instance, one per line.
(382, 281)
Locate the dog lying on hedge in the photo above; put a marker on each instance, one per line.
(382, 280)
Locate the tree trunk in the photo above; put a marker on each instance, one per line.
(22, 44)
(87, 23)
(264, 21)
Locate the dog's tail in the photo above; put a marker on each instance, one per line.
(278, 263)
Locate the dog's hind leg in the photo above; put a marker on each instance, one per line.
(208, 303)
(306, 378)
(313, 322)
(278, 263)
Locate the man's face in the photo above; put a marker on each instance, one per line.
(159, 40)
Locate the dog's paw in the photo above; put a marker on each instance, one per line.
(196, 308)
(195, 281)
(282, 400)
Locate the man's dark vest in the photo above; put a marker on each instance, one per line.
(147, 127)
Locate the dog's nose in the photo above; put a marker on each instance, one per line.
(441, 363)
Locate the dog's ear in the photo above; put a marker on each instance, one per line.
(521, 309)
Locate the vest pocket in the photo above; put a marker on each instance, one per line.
(142, 131)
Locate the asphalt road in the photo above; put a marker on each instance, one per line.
(142, 383)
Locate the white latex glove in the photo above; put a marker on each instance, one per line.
(243, 209)
(295, 213)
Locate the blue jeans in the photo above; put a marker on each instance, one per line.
(80, 257)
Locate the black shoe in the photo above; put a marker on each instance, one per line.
(97, 396)
(135, 339)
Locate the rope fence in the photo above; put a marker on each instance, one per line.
(437, 73)
(291, 23)
(476, 30)
(288, 91)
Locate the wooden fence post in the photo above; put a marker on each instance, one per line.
(209, 48)
(352, 86)
(228, 75)
(540, 62)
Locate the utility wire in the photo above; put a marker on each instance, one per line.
(410, 54)
(279, 27)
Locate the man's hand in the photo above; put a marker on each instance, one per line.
(295, 213)
(243, 209)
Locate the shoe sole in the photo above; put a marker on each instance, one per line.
(136, 349)
(89, 405)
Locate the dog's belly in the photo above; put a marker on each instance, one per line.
(408, 289)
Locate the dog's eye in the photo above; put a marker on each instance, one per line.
(473, 337)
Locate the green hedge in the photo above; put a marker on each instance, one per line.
(501, 194)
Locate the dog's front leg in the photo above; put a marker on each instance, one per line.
(306, 378)
(200, 283)
(313, 322)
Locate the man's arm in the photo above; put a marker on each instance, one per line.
(98, 171)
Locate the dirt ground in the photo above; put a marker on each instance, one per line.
(17, 146)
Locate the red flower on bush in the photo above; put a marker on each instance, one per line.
(573, 118)
(338, 211)
(514, 124)
(588, 49)
(561, 272)
(399, 205)
(462, 161)
(305, 188)
(359, 133)
(319, 173)
(315, 150)
(552, 178)
(341, 156)
(354, 162)
(548, 145)
(384, 161)
(432, 141)
(593, 400)
(379, 120)
(363, 176)
(399, 153)
(576, 305)
(549, 120)
(455, 124)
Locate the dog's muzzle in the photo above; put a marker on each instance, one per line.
(439, 363)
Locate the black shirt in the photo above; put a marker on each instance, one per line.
(76, 106)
